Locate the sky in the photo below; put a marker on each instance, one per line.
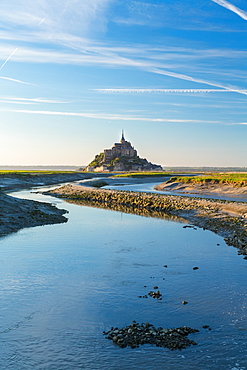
(171, 73)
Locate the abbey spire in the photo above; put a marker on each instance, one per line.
(122, 138)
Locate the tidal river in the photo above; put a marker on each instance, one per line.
(62, 285)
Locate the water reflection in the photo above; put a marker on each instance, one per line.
(128, 209)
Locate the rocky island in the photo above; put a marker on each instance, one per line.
(121, 157)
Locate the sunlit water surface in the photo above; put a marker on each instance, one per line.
(62, 285)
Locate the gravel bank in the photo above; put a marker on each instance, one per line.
(228, 219)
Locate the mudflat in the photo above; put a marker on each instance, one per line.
(204, 188)
(16, 214)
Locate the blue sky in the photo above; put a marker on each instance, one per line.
(172, 74)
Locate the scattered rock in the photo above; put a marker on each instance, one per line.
(137, 334)
(156, 294)
(156, 287)
(189, 226)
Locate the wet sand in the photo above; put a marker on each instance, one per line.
(16, 214)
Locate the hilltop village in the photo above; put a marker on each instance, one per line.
(121, 157)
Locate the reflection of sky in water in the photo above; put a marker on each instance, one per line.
(62, 285)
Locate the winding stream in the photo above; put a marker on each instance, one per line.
(62, 285)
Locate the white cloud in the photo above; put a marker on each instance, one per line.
(69, 24)
(232, 8)
(239, 123)
(106, 116)
(74, 16)
(15, 100)
(15, 80)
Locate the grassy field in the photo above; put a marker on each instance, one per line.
(236, 179)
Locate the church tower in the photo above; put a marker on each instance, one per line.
(122, 138)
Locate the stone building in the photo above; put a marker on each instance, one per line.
(122, 149)
(121, 157)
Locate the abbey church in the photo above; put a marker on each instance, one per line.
(121, 157)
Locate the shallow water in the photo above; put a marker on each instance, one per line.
(63, 285)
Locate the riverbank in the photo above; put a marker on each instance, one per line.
(16, 214)
(14, 180)
(227, 219)
(204, 188)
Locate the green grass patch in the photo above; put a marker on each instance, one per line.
(236, 179)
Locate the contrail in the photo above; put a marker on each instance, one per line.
(189, 78)
(161, 90)
(42, 20)
(8, 58)
(232, 8)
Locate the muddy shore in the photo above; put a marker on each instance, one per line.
(225, 218)
(204, 188)
(16, 214)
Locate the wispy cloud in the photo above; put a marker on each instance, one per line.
(173, 91)
(109, 117)
(15, 80)
(15, 100)
(69, 24)
(232, 8)
(110, 56)
(76, 17)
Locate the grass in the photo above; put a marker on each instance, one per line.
(236, 179)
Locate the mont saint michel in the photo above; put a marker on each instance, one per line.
(121, 157)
